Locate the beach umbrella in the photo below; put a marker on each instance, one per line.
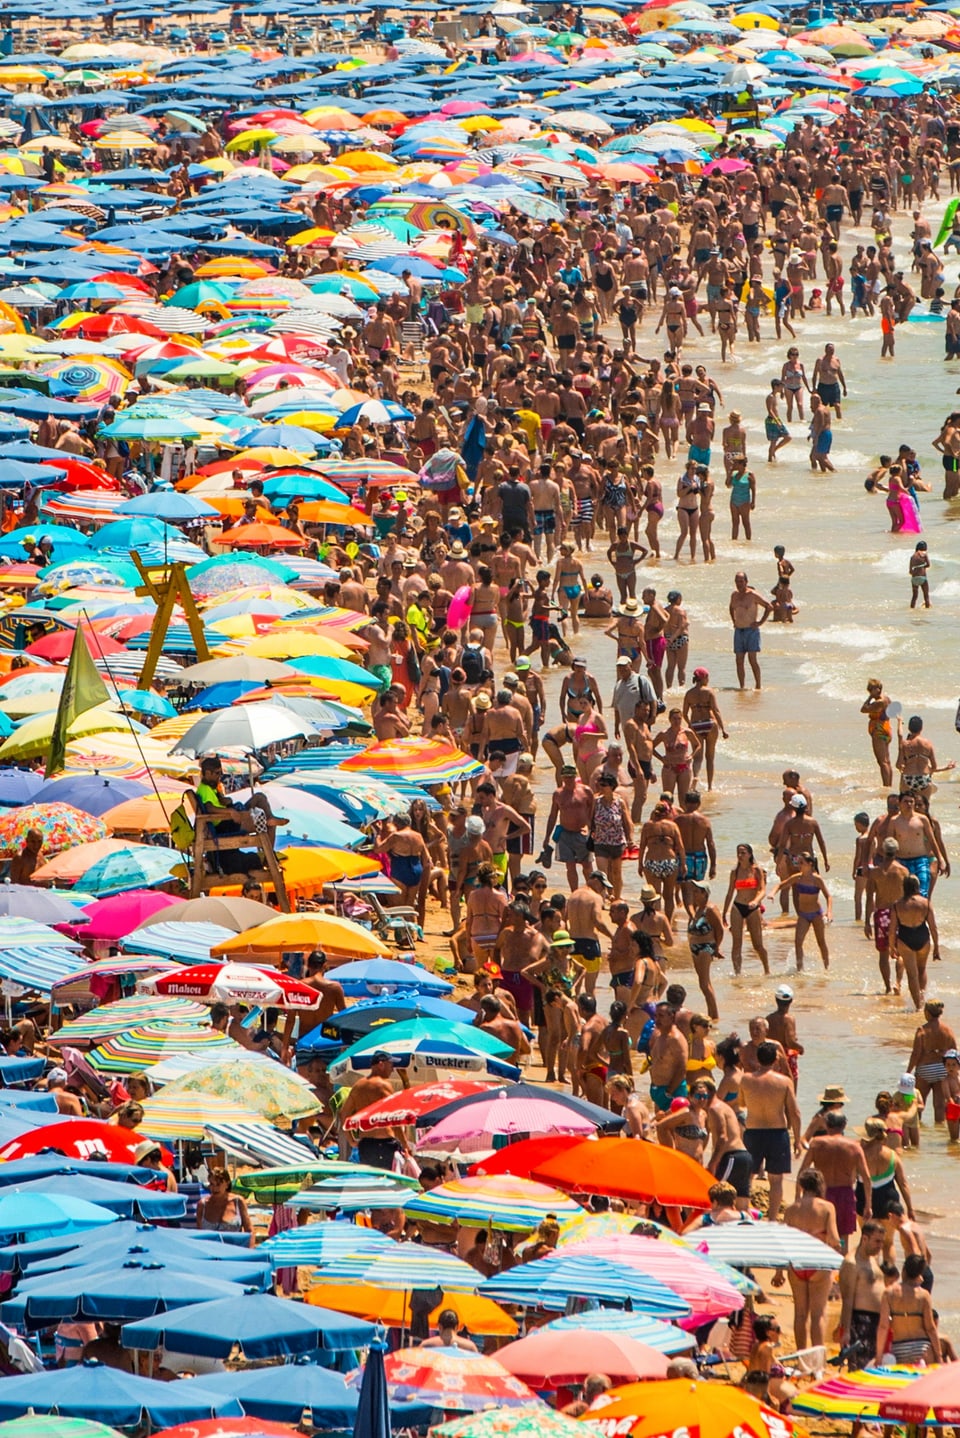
(937, 1392)
(139, 867)
(95, 381)
(171, 507)
(425, 761)
(369, 977)
(523, 1156)
(313, 1244)
(428, 1042)
(366, 1014)
(146, 1044)
(234, 983)
(70, 866)
(271, 1090)
(353, 1195)
(236, 668)
(374, 411)
(549, 1282)
(373, 1406)
(405, 1271)
(598, 1117)
(699, 1282)
(637, 1171)
(641, 1410)
(91, 793)
(48, 1212)
(53, 1426)
(61, 826)
(855, 1397)
(293, 933)
(451, 1378)
(18, 786)
(331, 1402)
(226, 1427)
(114, 1018)
(250, 727)
(33, 738)
(501, 1114)
(74, 1138)
(91, 1390)
(25, 901)
(762, 1245)
(511, 1204)
(562, 1358)
(261, 1326)
(535, 1420)
(133, 1289)
(187, 1116)
(650, 1332)
(112, 919)
(144, 701)
(125, 1200)
(227, 911)
(409, 1106)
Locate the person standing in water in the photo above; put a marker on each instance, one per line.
(748, 611)
(918, 566)
(878, 727)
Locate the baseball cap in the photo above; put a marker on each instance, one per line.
(951, 1054)
(798, 802)
(522, 663)
(381, 1057)
(579, 663)
(57, 1075)
(783, 991)
(474, 825)
(602, 878)
(625, 661)
(701, 674)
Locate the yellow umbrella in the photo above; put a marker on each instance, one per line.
(32, 739)
(305, 871)
(219, 164)
(232, 266)
(479, 1315)
(115, 750)
(269, 454)
(26, 75)
(754, 20)
(292, 933)
(312, 419)
(125, 140)
(332, 117)
(302, 174)
(474, 123)
(186, 1114)
(247, 139)
(365, 160)
(294, 644)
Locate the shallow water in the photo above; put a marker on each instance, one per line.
(853, 592)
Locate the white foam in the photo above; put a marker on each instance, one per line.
(849, 636)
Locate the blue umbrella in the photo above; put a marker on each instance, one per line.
(366, 977)
(14, 472)
(281, 1396)
(286, 436)
(164, 504)
(28, 1098)
(219, 696)
(138, 868)
(91, 1390)
(326, 668)
(130, 533)
(144, 701)
(18, 786)
(263, 1326)
(92, 793)
(549, 1282)
(373, 1407)
(126, 1200)
(367, 1014)
(49, 1212)
(117, 1245)
(136, 1290)
(291, 486)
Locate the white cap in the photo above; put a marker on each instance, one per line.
(907, 1084)
(624, 659)
(784, 991)
(798, 802)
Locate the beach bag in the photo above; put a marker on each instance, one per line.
(182, 831)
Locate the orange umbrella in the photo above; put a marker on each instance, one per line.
(479, 1315)
(711, 1410)
(325, 511)
(232, 506)
(261, 536)
(624, 1168)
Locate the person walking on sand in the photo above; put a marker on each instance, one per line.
(748, 611)
(821, 436)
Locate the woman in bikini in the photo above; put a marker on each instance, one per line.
(765, 1378)
(878, 727)
(589, 739)
(748, 883)
(668, 417)
(705, 937)
(810, 1212)
(485, 605)
(912, 925)
(931, 1041)
(679, 744)
(660, 852)
(808, 891)
(682, 1128)
(907, 1319)
(652, 499)
(688, 510)
(702, 713)
(570, 579)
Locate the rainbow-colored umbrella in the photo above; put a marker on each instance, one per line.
(535, 1420)
(425, 761)
(856, 1397)
(186, 1115)
(452, 1378)
(147, 1044)
(502, 1201)
(96, 381)
(61, 825)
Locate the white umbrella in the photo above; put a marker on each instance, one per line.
(248, 726)
(763, 1245)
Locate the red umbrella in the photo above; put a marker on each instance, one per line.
(559, 1358)
(522, 1158)
(234, 983)
(101, 327)
(80, 475)
(623, 1168)
(75, 1138)
(125, 281)
(58, 646)
(226, 1428)
(412, 1104)
(939, 1389)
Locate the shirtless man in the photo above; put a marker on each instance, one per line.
(332, 1001)
(654, 641)
(759, 1031)
(772, 1114)
(503, 729)
(918, 840)
(916, 758)
(591, 1068)
(696, 831)
(518, 944)
(811, 1213)
(701, 710)
(498, 819)
(378, 1146)
(884, 889)
(492, 1020)
(668, 1059)
(585, 924)
(841, 1160)
(748, 611)
(828, 379)
(572, 808)
(782, 1029)
(388, 722)
(729, 1160)
(861, 1293)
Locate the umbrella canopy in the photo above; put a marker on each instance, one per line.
(23, 901)
(405, 1271)
(249, 726)
(188, 1116)
(393, 1310)
(332, 1403)
(135, 1289)
(651, 1332)
(36, 1212)
(271, 1090)
(224, 910)
(559, 1358)
(762, 1245)
(548, 1283)
(293, 933)
(111, 919)
(714, 1410)
(62, 827)
(261, 1326)
(512, 1204)
(76, 1138)
(126, 1200)
(701, 1285)
(52, 1426)
(856, 1397)
(532, 1421)
(234, 983)
(501, 1114)
(123, 1014)
(91, 1390)
(452, 1378)
(640, 1171)
(937, 1392)
(92, 793)
(411, 1105)
(388, 976)
(373, 1405)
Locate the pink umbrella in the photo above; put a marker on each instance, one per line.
(501, 1114)
(463, 107)
(112, 919)
(699, 1282)
(555, 1358)
(730, 166)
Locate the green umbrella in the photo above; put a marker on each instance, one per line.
(176, 427)
(51, 1425)
(204, 367)
(273, 1185)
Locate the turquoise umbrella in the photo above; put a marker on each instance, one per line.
(177, 427)
(343, 669)
(129, 533)
(74, 573)
(403, 1037)
(203, 292)
(139, 867)
(49, 1213)
(143, 701)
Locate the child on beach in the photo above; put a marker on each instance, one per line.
(861, 861)
(919, 564)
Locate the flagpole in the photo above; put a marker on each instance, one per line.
(124, 711)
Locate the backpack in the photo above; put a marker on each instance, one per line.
(182, 831)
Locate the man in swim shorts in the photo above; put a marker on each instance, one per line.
(772, 1113)
(668, 1059)
(748, 611)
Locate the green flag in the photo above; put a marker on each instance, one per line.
(83, 689)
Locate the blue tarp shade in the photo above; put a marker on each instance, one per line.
(282, 1395)
(22, 1070)
(126, 1199)
(260, 1324)
(134, 1290)
(90, 1390)
(74, 1250)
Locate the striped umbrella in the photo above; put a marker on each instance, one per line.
(665, 1337)
(392, 1310)
(404, 1271)
(124, 1014)
(96, 381)
(856, 1397)
(500, 1114)
(255, 1142)
(697, 1281)
(763, 1245)
(549, 1282)
(75, 987)
(425, 761)
(186, 1115)
(351, 1195)
(147, 1044)
(515, 1205)
(319, 1243)
(18, 933)
(453, 1379)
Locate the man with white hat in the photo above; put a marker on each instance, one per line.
(782, 1028)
